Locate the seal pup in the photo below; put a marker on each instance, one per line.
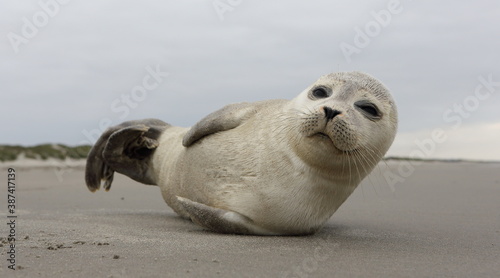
(276, 167)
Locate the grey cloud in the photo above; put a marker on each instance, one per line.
(64, 80)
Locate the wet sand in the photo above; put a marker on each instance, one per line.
(441, 221)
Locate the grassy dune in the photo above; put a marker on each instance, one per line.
(43, 152)
(60, 151)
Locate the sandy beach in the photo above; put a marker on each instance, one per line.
(442, 220)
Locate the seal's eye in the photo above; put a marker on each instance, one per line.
(369, 109)
(320, 93)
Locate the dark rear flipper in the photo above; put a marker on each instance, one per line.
(127, 149)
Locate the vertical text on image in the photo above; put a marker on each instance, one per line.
(11, 218)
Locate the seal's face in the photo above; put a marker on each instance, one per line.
(348, 114)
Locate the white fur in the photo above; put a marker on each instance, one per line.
(269, 170)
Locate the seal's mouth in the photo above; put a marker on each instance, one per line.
(324, 136)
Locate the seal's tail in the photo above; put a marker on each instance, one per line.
(127, 149)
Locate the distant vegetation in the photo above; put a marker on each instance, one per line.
(59, 151)
(43, 152)
(451, 160)
(397, 158)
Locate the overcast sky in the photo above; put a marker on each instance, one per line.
(72, 67)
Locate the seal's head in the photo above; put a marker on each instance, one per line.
(347, 115)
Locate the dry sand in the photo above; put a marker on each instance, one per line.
(442, 221)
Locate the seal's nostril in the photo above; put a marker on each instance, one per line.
(330, 113)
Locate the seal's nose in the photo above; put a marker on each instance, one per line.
(330, 113)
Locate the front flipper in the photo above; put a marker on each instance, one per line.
(220, 220)
(226, 118)
(126, 149)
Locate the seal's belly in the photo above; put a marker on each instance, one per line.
(253, 177)
(218, 168)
